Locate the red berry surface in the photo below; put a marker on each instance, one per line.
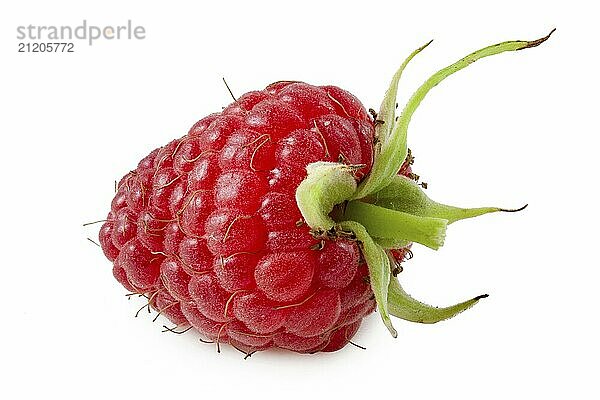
(208, 228)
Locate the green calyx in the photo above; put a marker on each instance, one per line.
(387, 211)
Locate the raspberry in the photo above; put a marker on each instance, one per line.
(281, 221)
(205, 227)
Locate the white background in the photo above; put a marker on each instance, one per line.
(514, 128)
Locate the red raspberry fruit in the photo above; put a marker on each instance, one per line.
(281, 221)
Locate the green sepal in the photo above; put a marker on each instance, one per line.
(401, 305)
(390, 147)
(390, 243)
(379, 269)
(393, 147)
(398, 226)
(405, 195)
(325, 185)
